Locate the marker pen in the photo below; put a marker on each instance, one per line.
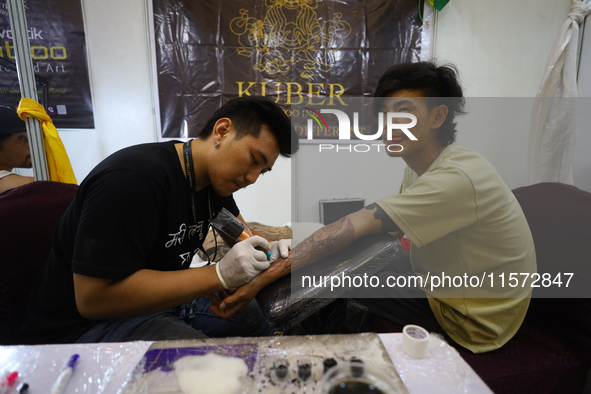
(7, 380)
(62, 380)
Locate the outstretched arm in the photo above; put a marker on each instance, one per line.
(324, 242)
(146, 291)
(332, 238)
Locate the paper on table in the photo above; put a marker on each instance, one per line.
(443, 368)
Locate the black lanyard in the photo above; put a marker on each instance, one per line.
(190, 171)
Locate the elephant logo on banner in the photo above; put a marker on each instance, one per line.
(290, 34)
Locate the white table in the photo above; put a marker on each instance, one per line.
(102, 368)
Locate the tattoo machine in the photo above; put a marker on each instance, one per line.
(229, 225)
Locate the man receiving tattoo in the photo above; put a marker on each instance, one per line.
(455, 208)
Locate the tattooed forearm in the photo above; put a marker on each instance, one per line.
(333, 238)
(388, 225)
(269, 232)
(321, 244)
(324, 242)
(280, 267)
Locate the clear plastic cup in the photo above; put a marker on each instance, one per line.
(355, 377)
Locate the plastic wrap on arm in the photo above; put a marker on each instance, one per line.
(285, 306)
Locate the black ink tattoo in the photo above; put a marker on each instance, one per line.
(324, 242)
(279, 267)
(270, 232)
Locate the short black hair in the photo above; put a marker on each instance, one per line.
(249, 114)
(10, 123)
(433, 81)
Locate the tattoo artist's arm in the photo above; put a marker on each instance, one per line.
(145, 291)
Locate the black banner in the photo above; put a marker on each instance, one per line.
(295, 52)
(58, 48)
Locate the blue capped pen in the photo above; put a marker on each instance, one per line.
(62, 381)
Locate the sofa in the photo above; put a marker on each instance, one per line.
(28, 215)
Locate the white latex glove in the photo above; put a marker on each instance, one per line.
(280, 249)
(242, 262)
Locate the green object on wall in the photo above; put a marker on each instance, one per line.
(438, 4)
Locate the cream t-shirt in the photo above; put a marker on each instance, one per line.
(464, 221)
(4, 173)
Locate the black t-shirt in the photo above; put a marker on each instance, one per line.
(132, 212)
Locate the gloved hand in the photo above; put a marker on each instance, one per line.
(242, 262)
(280, 249)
